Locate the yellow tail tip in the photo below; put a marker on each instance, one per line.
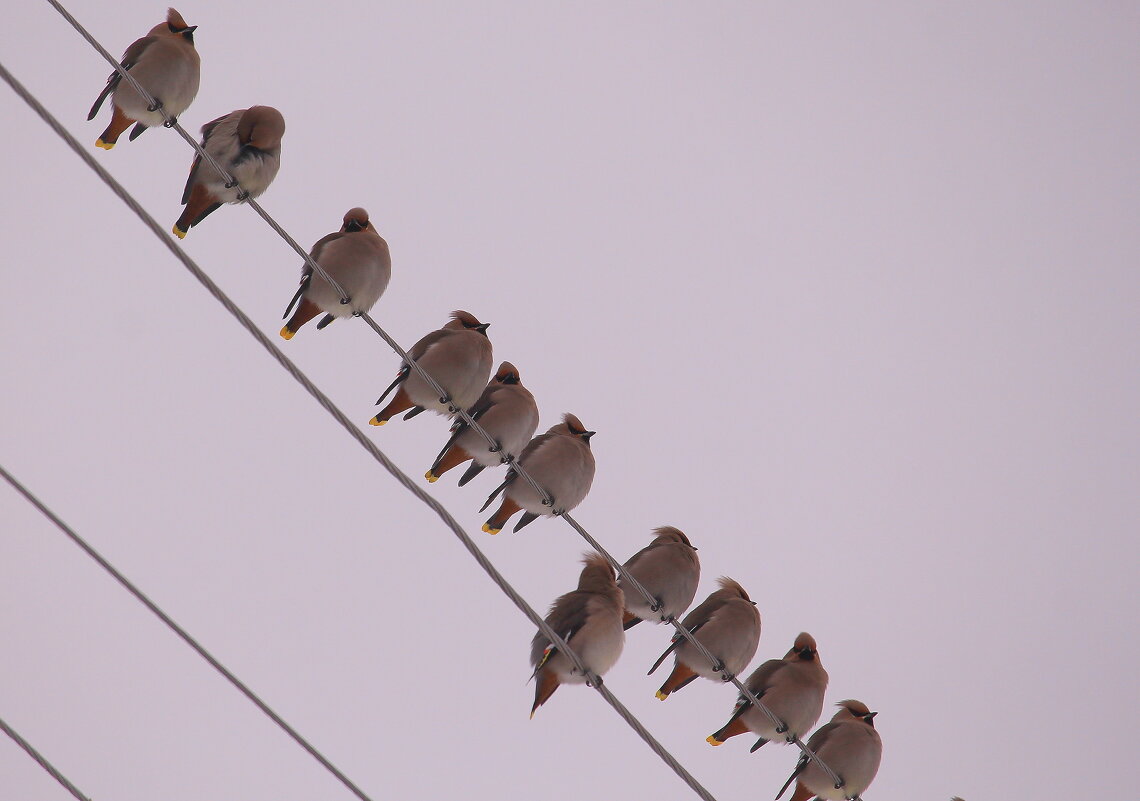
(376, 421)
(178, 232)
(489, 530)
(662, 696)
(105, 145)
(532, 713)
(286, 333)
(712, 740)
(431, 477)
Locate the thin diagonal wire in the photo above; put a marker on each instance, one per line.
(441, 393)
(42, 760)
(594, 680)
(713, 660)
(345, 298)
(181, 632)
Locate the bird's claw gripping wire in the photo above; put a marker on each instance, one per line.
(157, 106)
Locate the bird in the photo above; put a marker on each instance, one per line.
(357, 258)
(588, 620)
(669, 569)
(728, 626)
(560, 461)
(850, 746)
(246, 143)
(791, 688)
(166, 65)
(506, 411)
(457, 357)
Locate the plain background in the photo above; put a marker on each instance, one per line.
(848, 291)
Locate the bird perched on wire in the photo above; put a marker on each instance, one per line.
(357, 258)
(457, 357)
(247, 144)
(166, 65)
(728, 626)
(506, 411)
(669, 569)
(791, 688)
(588, 620)
(560, 461)
(850, 746)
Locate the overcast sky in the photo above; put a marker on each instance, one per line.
(848, 292)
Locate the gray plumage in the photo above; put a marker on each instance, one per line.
(357, 258)
(166, 65)
(247, 144)
(850, 746)
(588, 619)
(669, 569)
(728, 625)
(561, 462)
(458, 356)
(506, 411)
(253, 167)
(792, 688)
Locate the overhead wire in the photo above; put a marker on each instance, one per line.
(592, 679)
(52, 770)
(510, 459)
(181, 632)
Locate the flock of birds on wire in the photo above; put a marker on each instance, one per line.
(593, 618)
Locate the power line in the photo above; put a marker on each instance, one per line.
(345, 298)
(181, 632)
(592, 679)
(507, 458)
(441, 393)
(38, 757)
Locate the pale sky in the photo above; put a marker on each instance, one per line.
(848, 292)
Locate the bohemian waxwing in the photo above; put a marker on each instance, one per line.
(357, 258)
(247, 144)
(506, 410)
(457, 357)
